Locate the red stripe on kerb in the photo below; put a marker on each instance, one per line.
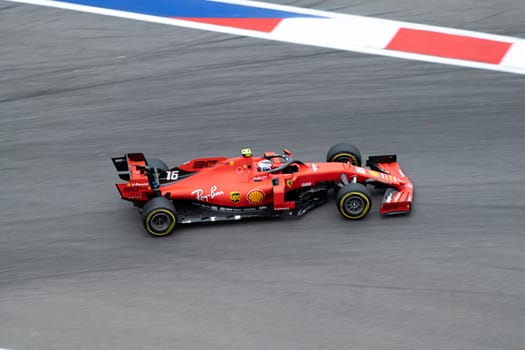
(258, 24)
(449, 45)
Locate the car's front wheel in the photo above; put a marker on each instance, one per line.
(354, 201)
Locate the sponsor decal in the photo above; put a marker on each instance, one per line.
(131, 193)
(200, 164)
(260, 178)
(200, 195)
(131, 190)
(315, 167)
(229, 209)
(133, 196)
(374, 173)
(306, 184)
(360, 170)
(401, 173)
(281, 208)
(289, 182)
(139, 184)
(235, 197)
(255, 196)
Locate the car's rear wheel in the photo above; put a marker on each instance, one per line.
(354, 201)
(159, 216)
(343, 153)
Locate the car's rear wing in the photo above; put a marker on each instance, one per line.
(132, 166)
(121, 164)
(140, 182)
(398, 198)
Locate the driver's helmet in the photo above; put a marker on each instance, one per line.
(264, 165)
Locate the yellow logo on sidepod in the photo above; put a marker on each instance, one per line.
(255, 196)
(235, 197)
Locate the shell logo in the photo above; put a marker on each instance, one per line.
(255, 196)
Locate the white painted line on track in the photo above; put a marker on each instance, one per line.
(357, 33)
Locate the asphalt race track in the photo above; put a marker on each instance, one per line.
(77, 270)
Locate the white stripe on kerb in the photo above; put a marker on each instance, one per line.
(515, 57)
(336, 33)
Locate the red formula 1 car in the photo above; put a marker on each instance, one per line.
(247, 186)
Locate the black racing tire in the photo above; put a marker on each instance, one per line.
(159, 216)
(344, 152)
(354, 201)
(157, 163)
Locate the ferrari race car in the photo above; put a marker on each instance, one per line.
(248, 186)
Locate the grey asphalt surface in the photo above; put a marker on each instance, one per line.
(77, 270)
